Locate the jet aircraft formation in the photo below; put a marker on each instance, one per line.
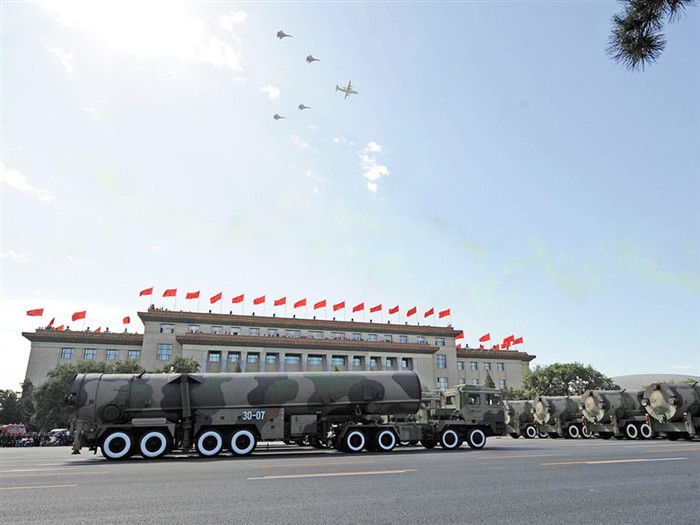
(310, 59)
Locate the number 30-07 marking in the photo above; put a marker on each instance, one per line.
(249, 415)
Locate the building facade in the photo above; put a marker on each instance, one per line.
(250, 343)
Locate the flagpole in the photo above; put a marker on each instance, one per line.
(198, 304)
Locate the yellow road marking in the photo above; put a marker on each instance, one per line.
(275, 465)
(334, 474)
(39, 487)
(604, 461)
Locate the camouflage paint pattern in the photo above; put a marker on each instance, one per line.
(604, 405)
(669, 402)
(518, 415)
(561, 408)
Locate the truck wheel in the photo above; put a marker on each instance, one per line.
(476, 438)
(542, 434)
(242, 442)
(631, 431)
(153, 444)
(646, 431)
(530, 432)
(116, 445)
(209, 443)
(385, 440)
(449, 439)
(672, 436)
(585, 433)
(354, 441)
(573, 432)
(428, 443)
(514, 435)
(605, 435)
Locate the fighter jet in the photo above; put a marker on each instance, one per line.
(347, 90)
(281, 34)
(303, 107)
(277, 117)
(311, 58)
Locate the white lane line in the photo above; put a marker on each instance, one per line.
(608, 461)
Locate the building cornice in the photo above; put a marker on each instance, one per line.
(84, 337)
(464, 353)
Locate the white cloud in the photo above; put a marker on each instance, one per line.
(233, 18)
(344, 140)
(16, 257)
(16, 180)
(299, 143)
(373, 170)
(146, 30)
(66, 60)
(273, 93)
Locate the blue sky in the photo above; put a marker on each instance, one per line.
(495, 162)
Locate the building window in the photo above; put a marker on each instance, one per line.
(89, 353)
(216, 329)
(67, 353)
(338, 360)
(165, 352)
(388, 338)
(253, 358)
(462, 381)
(271, 359)
(214, 357)
(442, 383)
(272, 332)
(234, 357)
(194, 328)
(254, 331)
(315, 359)
(403, 339)
(405, 363)
(167, 328)
(292, 359)
(487, 366)
(475, 381)
(460, 365)
(234, 330)
(473, 365)
(112, 355)
(441, 361)
(420, 339)
(356, 362)
(502, 384)
(439, 341)
(315, 335)
(338, 335)
(389, 362)
(500, 367)
(373, 362)
(292, 333)
(357, 337)
(133, 355)
(372, 338)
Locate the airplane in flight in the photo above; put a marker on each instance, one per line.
(311, 58)
(303, 107)
(281, 34)
(347, 90)
(277, 117)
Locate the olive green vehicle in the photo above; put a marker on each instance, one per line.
(520, 421)
(673, 409)
(559, 416)
(616, 413)
(154, 414)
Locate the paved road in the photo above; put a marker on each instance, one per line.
(508, 482)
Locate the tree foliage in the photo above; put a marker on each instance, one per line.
(180, 365)
(637, 39)
(564, 379)
(489, 381)
(11, 411)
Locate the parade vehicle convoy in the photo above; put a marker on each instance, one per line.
(154, 414)
(520, 420)
(673, 409)
(559, 416)
(616, 413)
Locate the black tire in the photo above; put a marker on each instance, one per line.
(514, 435)
(428, 443)
(242, 442)
(354, 440)
(530, 432)
(476, 438)
(449, 439)
(573, 432)
(645, 431)
(631, 431)
(385, 440)
(154, 444)
(209, 443)
(117, 445)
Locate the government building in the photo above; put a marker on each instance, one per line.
(251, 343)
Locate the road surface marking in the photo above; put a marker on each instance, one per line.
(283, 465)
(39, 487)
(47, 475)
(522, 456)
(334, 474)
(606, 461)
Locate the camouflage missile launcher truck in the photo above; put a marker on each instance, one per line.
(153, 414)
(559, 416)
(616, 413)
(520, 420)
(673, 409)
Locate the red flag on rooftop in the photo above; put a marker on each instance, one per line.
(216, 298)
(192, 295)
(518, 341)
(358, 307)
(147, 291)
(485, 337)
(339, 306)
(98, 329)
(79, 315)
(412, 311)
(394, 310)
(459, 339)
(429, 312)
(37, 312)
(496, 347)
(126, 320)
(320, 304)
(444, 313)
(238, 299)
(300, 303)
(60, 328)
(259, 300)
(281, 301)
(377, 308)
(171, 292)
(50, 323)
